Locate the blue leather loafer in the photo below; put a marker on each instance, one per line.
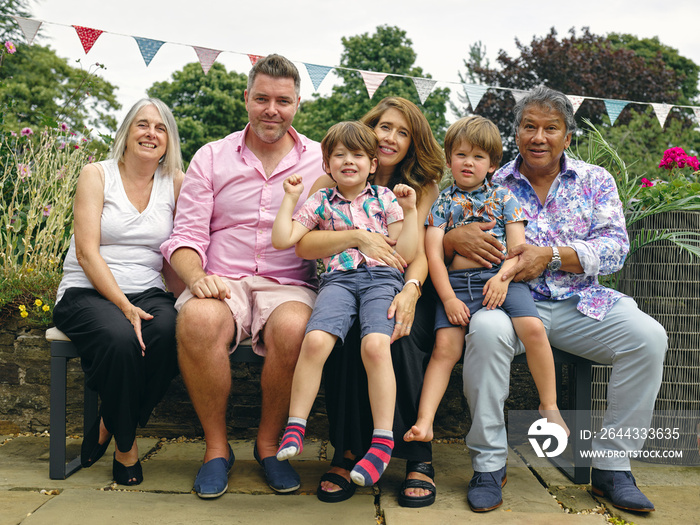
(212, 478)
(621, 489)
(484, 492)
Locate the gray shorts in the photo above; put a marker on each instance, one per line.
(366, 292)
(468, 286)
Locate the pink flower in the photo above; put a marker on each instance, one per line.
(24, 171)
(89, 159)
(646, 183)
(62, 145)
(47, 210)
(26, 132)
(10, 47)
(76, 146)
(64, 126)
(13, 134)
(83, 139)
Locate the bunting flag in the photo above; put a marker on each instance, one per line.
(474, 93)
(424, 86)
(206, 57)
(518, 94)
(372, 81)
(662, 111)
(29, 27)
(614, 108)
(697, 115)
(254, 58)
(87, 36)
(317, 73)
(148, 48)
(575, 101)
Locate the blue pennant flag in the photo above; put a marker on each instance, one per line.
(148, 48)
(317, 73)
(614, 108)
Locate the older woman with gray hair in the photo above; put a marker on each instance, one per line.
(112, 301)
(575, 232)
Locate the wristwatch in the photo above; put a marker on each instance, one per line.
(418, 285)
(555, 263)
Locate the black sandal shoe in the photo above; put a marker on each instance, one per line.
(347, 488)
(418, 501)
(124, 475)
(91, 450)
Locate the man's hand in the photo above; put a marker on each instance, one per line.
(210, 286)
(474, 242)
(532, 261)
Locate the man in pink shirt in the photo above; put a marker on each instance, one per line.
(238, 285)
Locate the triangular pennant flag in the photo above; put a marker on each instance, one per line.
(697, 115)
(575, 101)
(372, 81)
(424, 86)
(206, 57)
(662, 111)
(87, 36)
(255, 58)
(518, 94)
(317, 73)
(475, 92)
(614, 108)
(148, 48)
(29, 27)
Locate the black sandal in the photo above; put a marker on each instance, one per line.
(347, 488)
(124, 475)
(418, 501)
(91, 450)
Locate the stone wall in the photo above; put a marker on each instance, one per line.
(25, 381)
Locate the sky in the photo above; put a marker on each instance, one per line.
(306, 31)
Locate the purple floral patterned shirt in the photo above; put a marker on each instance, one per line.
(372, 210)
(582, 211)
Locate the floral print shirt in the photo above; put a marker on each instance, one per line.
(372, 210)
(456, 207)
(582, 211)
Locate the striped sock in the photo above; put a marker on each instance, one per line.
(293, 439)
(370, 468)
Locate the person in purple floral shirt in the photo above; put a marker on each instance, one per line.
(575, 232)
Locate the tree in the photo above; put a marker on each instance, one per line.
(9, 30)
(388, 50)
(613, 67)
(206, 107)
(36, 84)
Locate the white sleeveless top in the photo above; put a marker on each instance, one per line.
(129, 241)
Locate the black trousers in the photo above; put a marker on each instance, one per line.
(129, 384)
(346, 390)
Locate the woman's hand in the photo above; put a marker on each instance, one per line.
(135, 315)
(381, 248)
(403, 309)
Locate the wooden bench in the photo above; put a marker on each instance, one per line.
(62, 350)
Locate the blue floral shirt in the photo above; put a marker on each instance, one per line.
(456, 207)
(582, 211)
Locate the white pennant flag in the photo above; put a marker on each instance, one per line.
(372, 81)
(662, 111)
(206, 56)
(29, 27)
(518, 94)
(474, 93)
(424, 86)
(697, 115)
(575, 101)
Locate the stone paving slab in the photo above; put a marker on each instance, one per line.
(76, 506)
(17, 505)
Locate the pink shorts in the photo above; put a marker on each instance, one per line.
(253, 299)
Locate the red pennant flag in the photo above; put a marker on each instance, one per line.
(87, 36)
(254, 58)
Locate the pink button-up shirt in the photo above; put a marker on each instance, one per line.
(227, 206)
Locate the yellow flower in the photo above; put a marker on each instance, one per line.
(38, 302)
(45, 308)
(24, 313)
(22, 308)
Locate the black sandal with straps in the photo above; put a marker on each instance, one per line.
(418, 501)
(347, 488)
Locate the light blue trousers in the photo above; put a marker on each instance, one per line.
(634, 343)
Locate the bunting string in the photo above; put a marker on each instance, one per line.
(317, 73)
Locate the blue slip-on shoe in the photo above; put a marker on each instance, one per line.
(620, 487)
(484, 492)
(212, 478)
(280, 475)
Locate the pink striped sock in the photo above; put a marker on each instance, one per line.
(371, 467)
